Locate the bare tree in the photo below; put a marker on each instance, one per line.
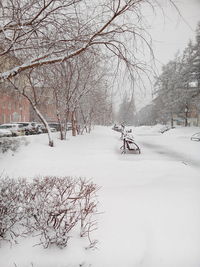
(41, 33)
(96, 108)
(46, 32)
(71, 82)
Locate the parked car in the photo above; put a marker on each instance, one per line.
(5, 132)
(195, 137)
(42, 129)
(15, 128)
(54, 125)
(29, 127)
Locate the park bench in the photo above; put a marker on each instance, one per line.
(129, 145)
(117, 128)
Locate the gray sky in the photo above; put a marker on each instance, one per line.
(170, 32)
(173, 32)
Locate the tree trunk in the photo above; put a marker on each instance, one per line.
(68, 118)
(62, 136)
(172, 121)
(186, 119)
(51, 143)
(74, 123)
(62, 132)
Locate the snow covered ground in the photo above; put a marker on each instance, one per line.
(150, 202)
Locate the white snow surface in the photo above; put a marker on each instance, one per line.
(150, 202)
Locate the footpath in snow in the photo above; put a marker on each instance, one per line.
(150, 203)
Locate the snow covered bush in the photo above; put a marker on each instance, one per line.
(53, 208)
(59, 207)
(11, 144)
(11, 211)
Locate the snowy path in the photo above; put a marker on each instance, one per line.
(150, 202)
(177, 147)
(170, 153)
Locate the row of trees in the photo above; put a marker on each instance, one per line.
(177, 88)
(62, 49)
(76, 89)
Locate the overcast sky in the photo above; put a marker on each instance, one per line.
(171, 32)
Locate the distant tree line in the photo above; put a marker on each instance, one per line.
(177, 88)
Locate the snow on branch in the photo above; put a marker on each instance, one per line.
(59, 36)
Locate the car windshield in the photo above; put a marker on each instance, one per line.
(23, 124)
(5, 126)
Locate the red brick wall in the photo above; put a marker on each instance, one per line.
(49, 112)
(13, 108)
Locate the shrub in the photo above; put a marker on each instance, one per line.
(52, 207)
(11, 211)
(11, 144)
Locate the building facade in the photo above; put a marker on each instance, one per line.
(13, 108)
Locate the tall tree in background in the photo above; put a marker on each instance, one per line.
(127, 110)
(195, 64)
(96, 106)
(177, 88)
(167, 85)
